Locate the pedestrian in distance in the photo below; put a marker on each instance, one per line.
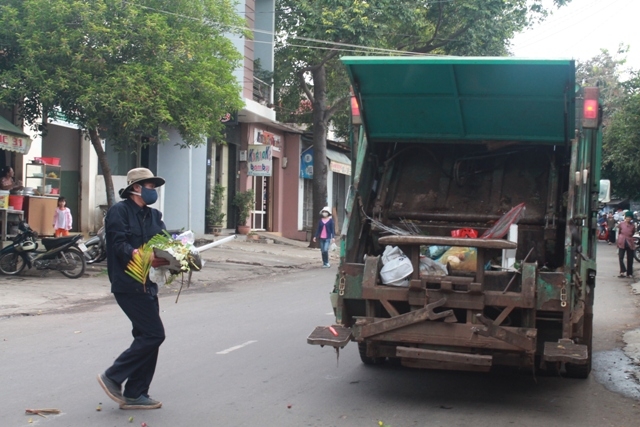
(62, 219)
(326, 233)
(128, 225)
(611, 225)
(626, 245)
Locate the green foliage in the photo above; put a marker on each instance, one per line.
(244, 201)
(621, 148)
(465, 27)
(214, 215)
(620, 97)
(127, 69)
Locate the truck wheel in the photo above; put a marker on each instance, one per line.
(362, 349)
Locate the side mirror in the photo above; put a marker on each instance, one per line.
(604, 196)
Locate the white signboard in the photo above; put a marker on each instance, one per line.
(259, 160)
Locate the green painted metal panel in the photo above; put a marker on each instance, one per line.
(424, 98)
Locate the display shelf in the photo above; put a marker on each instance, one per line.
(41, 175)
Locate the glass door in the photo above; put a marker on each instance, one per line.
(259, 220)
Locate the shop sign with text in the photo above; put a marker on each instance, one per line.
(259, 161)
(268, 138)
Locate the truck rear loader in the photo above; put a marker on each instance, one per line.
(445, 144)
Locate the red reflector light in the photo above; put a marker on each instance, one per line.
(590, 109)
(355, 110)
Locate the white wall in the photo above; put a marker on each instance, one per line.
(173, 166)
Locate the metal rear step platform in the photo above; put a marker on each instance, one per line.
(566, 350)
(334, 336)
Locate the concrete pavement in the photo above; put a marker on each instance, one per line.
(36, 292)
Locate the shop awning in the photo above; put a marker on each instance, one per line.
(421, 99)
(12, 138)
(339, 162)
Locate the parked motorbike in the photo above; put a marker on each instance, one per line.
(603, 232)
(96, 248)
(636, 240)
(63, 254)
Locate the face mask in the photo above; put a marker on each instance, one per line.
(149, 195)
(324, 214)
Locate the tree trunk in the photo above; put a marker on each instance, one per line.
(104, 164)
(320, 168)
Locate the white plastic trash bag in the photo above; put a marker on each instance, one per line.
(391, 253)
(333, 247)
(429, 267)
(395, 271)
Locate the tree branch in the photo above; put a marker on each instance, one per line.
(305, 87)
(334, 108)
(429, 47)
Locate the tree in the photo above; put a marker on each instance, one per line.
(621, 146)
(120, 69)
(620, 97)
(314, 33)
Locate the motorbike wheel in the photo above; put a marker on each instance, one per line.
(636, 253)
(12, 263)
(73, 255)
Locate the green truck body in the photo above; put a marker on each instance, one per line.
(455, 143)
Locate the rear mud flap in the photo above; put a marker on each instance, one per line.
(566, 350)
(335, 336)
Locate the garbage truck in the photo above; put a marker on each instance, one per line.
(496, 162)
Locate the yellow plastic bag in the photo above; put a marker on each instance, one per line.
(460, 259)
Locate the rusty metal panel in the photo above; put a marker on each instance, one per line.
(522, 338)
(447, 241)
(447, 366)
(529, 271)
(384, 325)
(549, 286)
(353, 275)
(444, 356)
(458, 299)
(444, 334)
(371, 269)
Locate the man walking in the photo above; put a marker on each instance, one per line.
(128, 225)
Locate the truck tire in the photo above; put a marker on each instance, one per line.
(362, 349)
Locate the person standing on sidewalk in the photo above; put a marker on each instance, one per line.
(611, 225)
(128, 225)
(326, 233)
(626, 245)
(62, 220)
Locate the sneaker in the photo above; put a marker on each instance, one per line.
(328, 265)
(112, 388)
(325, 266)
(142, 402)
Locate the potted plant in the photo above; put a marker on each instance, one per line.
(214, 216)
(244, 202)
(253, 236)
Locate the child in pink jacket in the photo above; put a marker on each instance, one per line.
(62, 220)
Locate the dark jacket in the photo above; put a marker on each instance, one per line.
(127, 227)
(331, 230)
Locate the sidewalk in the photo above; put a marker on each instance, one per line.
(36, 292)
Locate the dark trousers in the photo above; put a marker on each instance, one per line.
(612, 236)
(629, 269)
(137, 364)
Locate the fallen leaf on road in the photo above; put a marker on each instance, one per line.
(77, 332)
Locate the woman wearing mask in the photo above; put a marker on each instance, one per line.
(326, 234)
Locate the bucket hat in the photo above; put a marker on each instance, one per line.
(138, 175)
(327, 209)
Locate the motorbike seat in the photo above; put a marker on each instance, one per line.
(55, 242)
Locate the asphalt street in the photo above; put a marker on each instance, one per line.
(236, 355)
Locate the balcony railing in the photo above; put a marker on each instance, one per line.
(261, 91)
